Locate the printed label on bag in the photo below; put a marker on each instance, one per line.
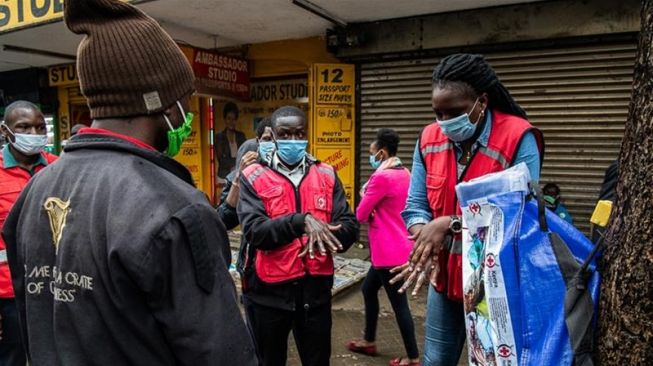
(490, 335)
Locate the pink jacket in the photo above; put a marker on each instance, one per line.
(381, 206)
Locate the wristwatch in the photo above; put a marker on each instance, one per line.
(456, 225)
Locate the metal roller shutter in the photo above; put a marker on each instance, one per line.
(578, 96)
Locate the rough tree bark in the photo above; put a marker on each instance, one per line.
(626, 304)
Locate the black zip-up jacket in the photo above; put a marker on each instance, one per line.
(227, 214)
(117, 259)
(261, 232)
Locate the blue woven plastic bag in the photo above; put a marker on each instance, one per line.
(527, 301)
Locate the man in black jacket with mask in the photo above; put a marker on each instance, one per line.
(294, 216)
(116, 258)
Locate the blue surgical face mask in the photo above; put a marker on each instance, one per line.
(291, 152)
(373, 162)
(459, 128)
(28, 144)
(265, 148)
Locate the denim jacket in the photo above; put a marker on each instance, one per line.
(417, 209)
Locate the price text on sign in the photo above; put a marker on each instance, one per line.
(334, 126)
(192, 140)
(335, 84)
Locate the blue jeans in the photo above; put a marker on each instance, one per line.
(445, 330)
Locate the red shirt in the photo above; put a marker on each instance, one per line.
(13, 179)
(101, 131)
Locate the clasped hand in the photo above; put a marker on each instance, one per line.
(423, 261)
(320, 237)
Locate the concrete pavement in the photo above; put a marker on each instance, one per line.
(349, 321)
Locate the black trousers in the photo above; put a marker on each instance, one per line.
(270, 328)
(377, 278)
(11, 345)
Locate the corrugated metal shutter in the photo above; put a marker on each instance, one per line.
(578, 96)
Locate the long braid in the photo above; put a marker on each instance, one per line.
(477, 73)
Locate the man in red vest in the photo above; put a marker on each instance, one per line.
(479, 129)
(295, 216)
(25, 129)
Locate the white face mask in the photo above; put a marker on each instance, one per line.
(26, 143)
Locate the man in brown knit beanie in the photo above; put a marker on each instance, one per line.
(124, 262)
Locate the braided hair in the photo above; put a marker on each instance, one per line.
(474, 71)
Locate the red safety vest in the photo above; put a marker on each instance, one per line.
(279, 196)
(441, 167)
(12, 182)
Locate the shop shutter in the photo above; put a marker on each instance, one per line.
(578, 96)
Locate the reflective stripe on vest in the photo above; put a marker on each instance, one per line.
(3, 256)
(329, 171)
(440, 164)
(251, 178)
(496, 155)
(436, 148)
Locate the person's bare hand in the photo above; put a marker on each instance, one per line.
(422, 263)
(411, 277)
(403, 272)
(320, 236)
(429, 240)
(248, 159)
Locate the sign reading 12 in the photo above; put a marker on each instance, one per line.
(336, 75)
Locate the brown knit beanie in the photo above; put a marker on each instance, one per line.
(127, 64)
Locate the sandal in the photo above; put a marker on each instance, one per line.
(366, 350)
(397, 362)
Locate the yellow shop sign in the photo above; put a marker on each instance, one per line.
(17, 14)
(62, 75)
(333, 120)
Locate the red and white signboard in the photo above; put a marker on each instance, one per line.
(221, 75)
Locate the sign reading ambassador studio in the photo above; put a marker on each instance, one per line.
(221, 75)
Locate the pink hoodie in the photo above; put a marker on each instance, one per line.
(381, 206)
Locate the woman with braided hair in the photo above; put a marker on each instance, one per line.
(479, 129)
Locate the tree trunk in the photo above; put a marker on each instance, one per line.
(626, 304)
